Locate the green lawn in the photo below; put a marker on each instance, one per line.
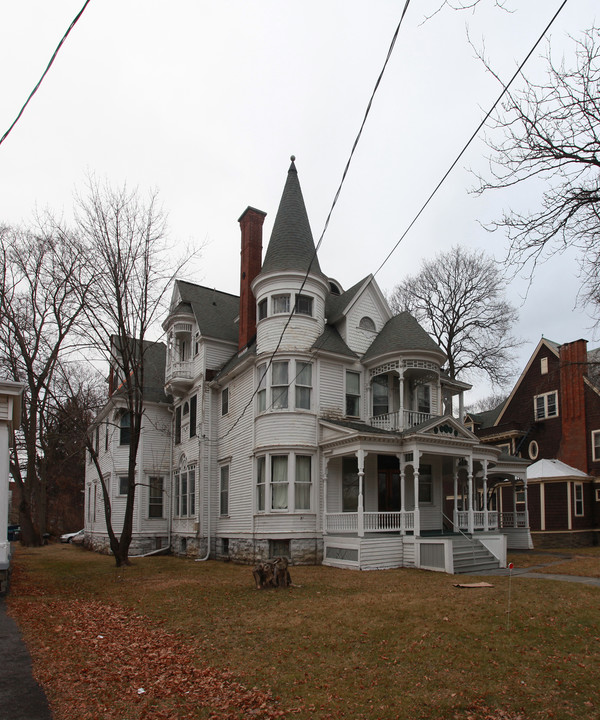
(397, 644)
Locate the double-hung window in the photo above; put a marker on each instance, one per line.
(125, 429)
(261, 483)
(279, 385)
(262, 309)
(303, 385)
(224, 492)
(279, 482)
(595, 445)
(424, 399)
(578, 492)
(261, 387)
(352, 394)
(546, 405)
(155, 497)
(225, 401)
(302, 482)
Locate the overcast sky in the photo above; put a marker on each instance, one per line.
(206, 101)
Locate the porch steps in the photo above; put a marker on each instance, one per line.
(471, 557)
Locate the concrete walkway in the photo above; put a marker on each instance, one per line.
(21, 698)
(528, 572)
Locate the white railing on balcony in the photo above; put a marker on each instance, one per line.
(400, 421)
(181, 369)
(347, 522)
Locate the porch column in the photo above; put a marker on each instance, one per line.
(417, 530)
(402, 496)
(361, 506)
(486, 524)
(401, 389)
(455, 509)
(515, 502)
(461, 406)
(526, 501)
(325, 470)
(470, 486)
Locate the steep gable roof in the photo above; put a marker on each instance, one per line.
(402, 333)
(291, 246)
(331, 341)
(554, 347)
(215, 311)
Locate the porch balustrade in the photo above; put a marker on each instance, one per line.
(511, 519)
(495, 520)
(347, 522)
(400, 420)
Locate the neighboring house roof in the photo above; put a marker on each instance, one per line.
(331, 341)
(215, 311)
(593, 369)
(399, 334)
(155, 356)
(546, 469)
(487, 418)
(291, 246)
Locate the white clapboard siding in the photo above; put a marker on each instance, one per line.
(381, 553)
(331, 388)
(4, 408)
(284, 524)
(286, 429)
(367, 305)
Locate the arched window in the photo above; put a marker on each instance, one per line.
(366, 323)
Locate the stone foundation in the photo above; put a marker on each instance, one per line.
(306, 551)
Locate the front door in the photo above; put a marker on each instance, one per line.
(388, 490)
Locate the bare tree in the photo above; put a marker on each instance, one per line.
(458, 298)
(43, 290)
(125, 240)
(550, 131)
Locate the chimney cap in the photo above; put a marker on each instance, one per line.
(253, 210)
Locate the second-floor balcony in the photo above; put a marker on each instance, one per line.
(179, 376)
(400, 420)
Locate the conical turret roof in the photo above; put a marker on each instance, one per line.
(291, 246)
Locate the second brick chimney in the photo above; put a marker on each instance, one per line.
(573, 367)
(251, 222)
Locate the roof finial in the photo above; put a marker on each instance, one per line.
(292, 158)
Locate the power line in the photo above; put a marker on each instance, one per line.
(48, 66)
(473, 136)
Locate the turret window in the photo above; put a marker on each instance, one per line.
(304, 305)
(279, 385)
(278, 379)
(280, 304)
(262, 309)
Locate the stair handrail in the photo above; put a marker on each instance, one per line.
(470, 539)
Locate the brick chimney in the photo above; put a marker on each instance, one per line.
(251, 222)
(573, 366)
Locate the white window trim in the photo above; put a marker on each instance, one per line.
(291, 483)
(222, 468)
(545, 396)
(595, 455)
(578, 490)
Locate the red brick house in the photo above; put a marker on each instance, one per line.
(553, 413)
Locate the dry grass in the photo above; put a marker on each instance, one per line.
(400, 644)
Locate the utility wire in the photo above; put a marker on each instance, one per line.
(39, 82)
(473, 136)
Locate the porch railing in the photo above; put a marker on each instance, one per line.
(180, 369)
(400, 420)
(495, 520)
(347, 522)
(508, 519)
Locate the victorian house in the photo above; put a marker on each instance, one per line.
(308, 421)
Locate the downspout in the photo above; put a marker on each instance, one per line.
(203, 559)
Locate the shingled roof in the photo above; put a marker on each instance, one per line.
(215, 311)
(399, 334)
(291, 246)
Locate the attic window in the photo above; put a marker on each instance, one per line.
(366, 323)
(544, 366)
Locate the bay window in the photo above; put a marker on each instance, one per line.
(276, 476)
(279, 385)
(303, 385)
(279, 482)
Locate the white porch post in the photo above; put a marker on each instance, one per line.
(526, 501)
(515, 502)
(461, 406)
(470, 479)
(417, 530)
(401, 388)
(486, 524)
(402, 495)
(455, 509)
(361, 507)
